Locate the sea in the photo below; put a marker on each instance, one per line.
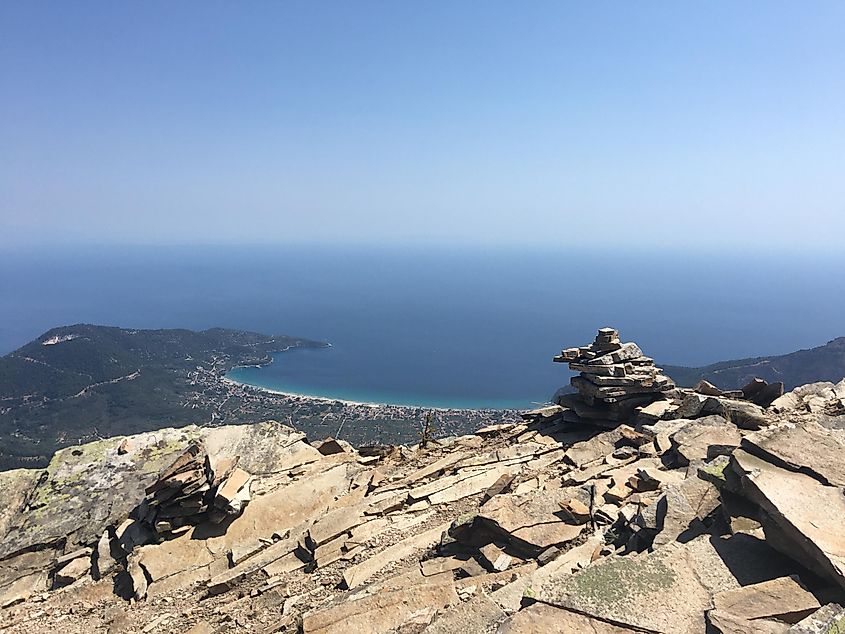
(434, 326)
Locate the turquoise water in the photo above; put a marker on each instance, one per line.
(329, 373)
(435, 327)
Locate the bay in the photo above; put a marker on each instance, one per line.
(434, 326)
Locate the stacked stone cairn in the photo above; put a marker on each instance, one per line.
(614, 379)
(189, 492)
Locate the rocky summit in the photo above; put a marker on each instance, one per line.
(630, 505)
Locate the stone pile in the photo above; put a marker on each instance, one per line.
(618, 384)
(180, 497)
(189, 492)
(614, 378)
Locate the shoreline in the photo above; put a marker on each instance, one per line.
(369, 404)
(272, 352)
(321, 399)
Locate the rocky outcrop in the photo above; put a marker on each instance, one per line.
(699, 511)
(823, 363)
(818, 398)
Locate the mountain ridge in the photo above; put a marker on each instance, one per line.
(809, 365)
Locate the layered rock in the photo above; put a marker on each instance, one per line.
(179, 497)
(190, 492)
(818, 398)
(613, 379)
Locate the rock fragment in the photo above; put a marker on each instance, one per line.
(104, 560)
(233, 492)
(784, 599)
(330, 446)
(575, 510)
(72, 571)
(704, 439)
(495, 558)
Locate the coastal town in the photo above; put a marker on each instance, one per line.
(357, 423)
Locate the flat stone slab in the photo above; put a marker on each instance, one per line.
(809, 515)
(468, 486)
(228, 579)
(540, 618)
(539, 531)
(784, 599)
(450, 486)
(479, 614)
(728, 623)
(380, 612)
(627, 352)
(807, 447)
(743, 414)
(668, 590)
(509, 597)
(681, 508)
(704, 439)
(358, 574)
(333, 524)
(593, 449)
(73, 570)
(23, 588)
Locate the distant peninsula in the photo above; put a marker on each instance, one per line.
(78, 383)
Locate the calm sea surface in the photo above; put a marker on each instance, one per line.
(434, 327)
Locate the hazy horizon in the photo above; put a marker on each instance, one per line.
(712, 127)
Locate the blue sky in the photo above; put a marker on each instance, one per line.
(699, 124)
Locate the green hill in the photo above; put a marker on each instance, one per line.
(78, 383)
